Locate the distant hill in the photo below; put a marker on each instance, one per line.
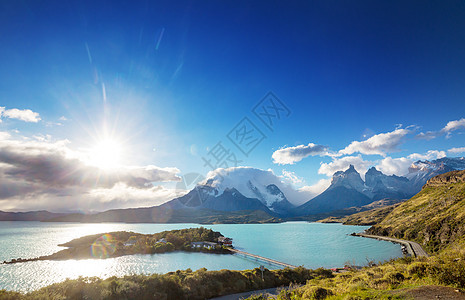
(435, 217)
(41, 215)
(166, 215)
(370, 214)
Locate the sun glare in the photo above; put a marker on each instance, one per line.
(106, 154)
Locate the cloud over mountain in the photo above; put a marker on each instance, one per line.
(397, 166)
(239, 177)
(317, 188)
(456, 150)
(450, 127)
(454, 125)
(343, 163)
(400, 166)
(380, 144)
(291, 155)
(430, 155)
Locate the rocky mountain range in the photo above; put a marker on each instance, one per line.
(347, 188)
(249, 196)
(421, 171)
(246, 191)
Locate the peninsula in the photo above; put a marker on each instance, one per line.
(120, 243)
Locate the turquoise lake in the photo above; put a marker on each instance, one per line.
(312, 245)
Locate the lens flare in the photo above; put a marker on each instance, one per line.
(103, 247)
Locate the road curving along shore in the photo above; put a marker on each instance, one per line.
(413, 248)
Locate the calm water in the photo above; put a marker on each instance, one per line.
(312, 245)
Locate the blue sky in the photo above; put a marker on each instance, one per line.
(167, 80)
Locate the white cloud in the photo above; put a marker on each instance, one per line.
(4, 135)
(123, 196)
(429, 135)
(378, 144)
(291, 155)
(98, 199)
(454, 125)
(447, 130)
(39, 171)
(394, 166)
(430, 155)
(341, 164)
(25, 115)
(399, 166)
(317, 188)
(291, 177)
(456, 150)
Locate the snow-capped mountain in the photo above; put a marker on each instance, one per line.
(237, 189)
(347, 188)
(245, 188)
(376, 186)
(421, 171)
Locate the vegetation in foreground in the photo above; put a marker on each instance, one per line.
(391, 280)
(435, 218)
(119, 243)
(201, 284)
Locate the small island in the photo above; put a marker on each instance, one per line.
(120, 243)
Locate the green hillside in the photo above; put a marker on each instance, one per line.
(435, 217)
(370, 217)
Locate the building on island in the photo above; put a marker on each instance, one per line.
(206, 245)
(222, 240)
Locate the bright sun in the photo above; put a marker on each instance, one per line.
(106, 154)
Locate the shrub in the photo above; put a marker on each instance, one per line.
(317, 293)
(394, 277)
(419, 269)
(450, 273)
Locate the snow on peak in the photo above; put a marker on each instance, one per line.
(250, 182)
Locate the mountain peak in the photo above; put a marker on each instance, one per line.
(351, 169)
(350, 178)
(373, 171)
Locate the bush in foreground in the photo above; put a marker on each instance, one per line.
(201, 284)
(386, 280)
